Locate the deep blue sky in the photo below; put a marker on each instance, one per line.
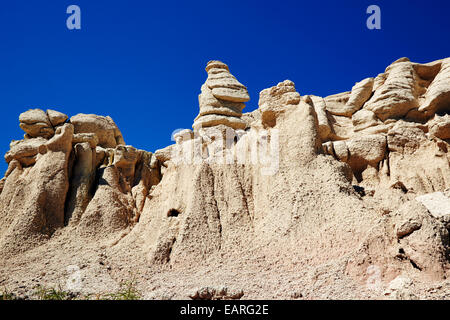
(142, 62)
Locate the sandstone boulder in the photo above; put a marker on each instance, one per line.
(56, 118)
(223, 293)
(366, 150)
(437, 203)
(361, 92)
(437, 97)
(439, 127)
(36, 124)
(125, 158)
(337, 104)
(90, 138)
(165, 154)
(322, 117)
(401, 288)
(108, 134)
(284, 93)
(26, 151)
(341, 150)
(274, 101)
(405, 137)
(364, 119)
(397, 95)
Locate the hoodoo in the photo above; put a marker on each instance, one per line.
(222, 99)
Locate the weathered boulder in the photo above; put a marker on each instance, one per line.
(341, 150)
(90, 138)
(56, 118)
(322, 117)
(273, 101)
(284, 93)
(437, 203)
(366, 150)
(209, 293)
(401, 288)
(165, 154)
(364, 119)
(36, 124)
(108, 134)
(422, 239)
(397, 95)
(125, 158)
(437, 97)
(405, 137)
(337, 104)
(26, 151)
(439, 127)
(361, 92)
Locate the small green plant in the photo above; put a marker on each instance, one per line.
(127, 291)
(6, 295)
(44, 293)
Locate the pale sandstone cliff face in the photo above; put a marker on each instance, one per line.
(322, 183)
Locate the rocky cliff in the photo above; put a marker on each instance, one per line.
(346, 196)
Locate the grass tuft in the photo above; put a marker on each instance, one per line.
(44, 293)
(127, 291)
(6, 295)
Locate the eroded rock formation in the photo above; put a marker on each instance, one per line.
(394, 128)
(62, 173)
(339, 188)
(222, 99)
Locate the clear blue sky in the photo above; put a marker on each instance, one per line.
(142, 62)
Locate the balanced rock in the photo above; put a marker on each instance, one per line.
(108, 134)
(36, 124)
(56, 118)
(222, 99)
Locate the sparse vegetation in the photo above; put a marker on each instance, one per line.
(44, 293)
(127, 291)
(6, 295)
